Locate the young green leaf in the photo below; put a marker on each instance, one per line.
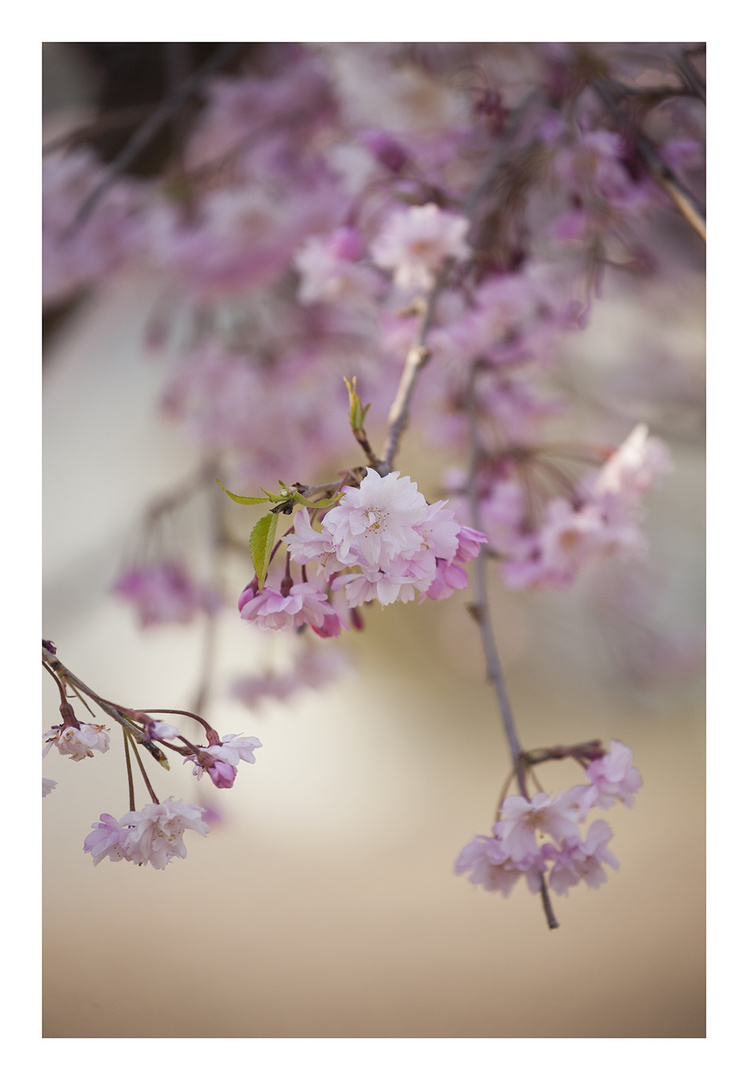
(357, 412)
(261, 542)
(246, 500)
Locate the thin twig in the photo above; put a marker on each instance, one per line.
(128, 765)
(479, 608)
(481, 612)
(141, 766)
(417, 358)
(691, 77)
(67, 676)
(551, 919)
(109, 122)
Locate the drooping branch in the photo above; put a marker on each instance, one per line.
(481, 612)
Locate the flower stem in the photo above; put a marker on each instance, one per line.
(130, 778)
(481, 612)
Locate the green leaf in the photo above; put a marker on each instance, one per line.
(357, 412)
(246, 500)
(261, 545)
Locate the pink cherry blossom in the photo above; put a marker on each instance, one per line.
(448, 578)
(614, 777)
(314, 667)
(158, 729)
(109, 839)
(522, 819)
(329, 272)
(633, 468)
(154, 834)
(303, 604)
(305, 544)
(222, 774)
(165, 593)
(236, 748)
(78, 742)
(376, 523)
(490, 865)
(440, 531)
(220, 760)
(579, 860)
(415, 242)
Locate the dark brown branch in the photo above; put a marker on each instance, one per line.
(142, 136)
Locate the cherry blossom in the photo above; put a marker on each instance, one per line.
(492, 867)
(314, 667)
(522, 819)
(614, 777)
(415, 243)
(399, 542)
(376, 522)
(220, 760)
(164, 593)
(634, 467)
(79, 742)
(303, 604)
(579, 860)
(109, 839)
(154, 834)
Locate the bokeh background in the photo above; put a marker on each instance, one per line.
(323, 903)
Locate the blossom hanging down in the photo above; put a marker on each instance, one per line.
(545, 542)
(400, 544)
(515, 848)
(151, 835)
(221, 759)
(79, 741)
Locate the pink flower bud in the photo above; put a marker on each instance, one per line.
(222, 774)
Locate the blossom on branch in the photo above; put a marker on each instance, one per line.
(516, 848)
(151, 835)
(416, 242)
(79, 742)
(401, 545)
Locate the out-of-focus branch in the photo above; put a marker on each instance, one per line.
(691, 77)
(662, 174)
(111, 121)
(152, 125)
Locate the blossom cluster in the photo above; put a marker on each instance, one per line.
(220, 760)
(153, 835)
(401, 544)
(164, 593)
(312, 668)
(515, 849)
(544, 540)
